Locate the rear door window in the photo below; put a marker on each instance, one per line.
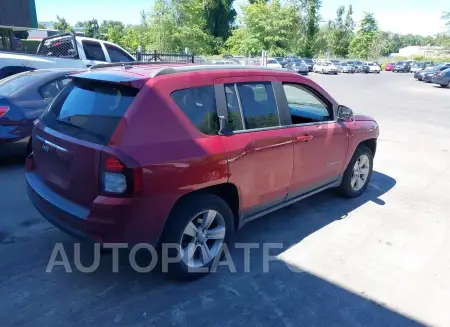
(117, 55)
(199, 105)
(258, 103)
(93, 50)
(89, 110)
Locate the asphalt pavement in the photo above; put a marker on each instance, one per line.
(381, 259)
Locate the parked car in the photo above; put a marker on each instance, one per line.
(105, 167)
(373, 67)
(281, 61)
(389, 67)
(417, 66)
(200, 60)
(23, 98)
(273, 63)
(428, 76)
(420, 74)
(402, 66)
(298, 66)
(325, 67)
(345, 67)
(442, 78)
(63, 51)
(309, 62)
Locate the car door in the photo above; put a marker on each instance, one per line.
(321, 143)
(258, 148)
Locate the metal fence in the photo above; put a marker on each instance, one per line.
(166, 57)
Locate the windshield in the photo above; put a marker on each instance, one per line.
(400, 63)
(371, 64)
(308, 60)
(16, 82)
(297, 62)
(272, 61)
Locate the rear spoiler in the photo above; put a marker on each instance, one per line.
(74, 43)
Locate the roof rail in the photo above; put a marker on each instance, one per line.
(127, 65)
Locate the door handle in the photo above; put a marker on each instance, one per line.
(305, 138)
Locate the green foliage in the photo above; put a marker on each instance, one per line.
(90, 28)
(266, 26)
(41, 26)
(62, 25)
(312, 26)
(341, 31)
(362, 45)
(220, 16)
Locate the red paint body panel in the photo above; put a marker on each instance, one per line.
(177, 159)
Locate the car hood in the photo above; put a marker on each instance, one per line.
(361, 117)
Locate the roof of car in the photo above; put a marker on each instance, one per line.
(151, 70)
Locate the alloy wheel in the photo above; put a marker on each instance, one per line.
(202, 238)
(360, 174)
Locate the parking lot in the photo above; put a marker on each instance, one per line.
(381, 259)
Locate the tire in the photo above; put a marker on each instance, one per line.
(186, 213)
(322, 71)
(346, 187)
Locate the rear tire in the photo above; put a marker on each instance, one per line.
(189, 217)
(358, 173)
(443, 85)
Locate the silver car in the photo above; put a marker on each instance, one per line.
(346, 68)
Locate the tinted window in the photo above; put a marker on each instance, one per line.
(199, 105)
(16, 82)
(234, 111)
(258, 105)
(93, 51)
(89, 110)
(304, 106)
(117, 55)
(50, 90)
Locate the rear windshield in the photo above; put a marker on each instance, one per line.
(89, 110)
(16, 82)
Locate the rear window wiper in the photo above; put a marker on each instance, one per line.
(69, 123)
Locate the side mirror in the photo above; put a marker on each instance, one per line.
(344, 114)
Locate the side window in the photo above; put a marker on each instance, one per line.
(93, 50)
(304, 106)
(234, 110)
(258, 105)
(117, 55)
(50, 90)
(199, 105)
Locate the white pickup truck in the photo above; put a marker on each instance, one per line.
(63, 51)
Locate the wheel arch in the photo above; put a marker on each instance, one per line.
(227, 191)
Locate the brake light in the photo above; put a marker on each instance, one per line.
(116, 179)
(440, 74)
(3, 110)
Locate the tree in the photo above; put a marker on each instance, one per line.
(112, 31)
(41, 26)
(362, 44)
(341, 31)
(312, 26)
(62, 25)
(266, 26)
(91, 28)
(220, 16)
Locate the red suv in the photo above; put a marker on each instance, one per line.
(188, 154)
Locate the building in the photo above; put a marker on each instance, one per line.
(15, 15)
(423, 51)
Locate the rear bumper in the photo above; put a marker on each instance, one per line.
(109, 220)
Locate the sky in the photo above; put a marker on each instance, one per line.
(400, 16)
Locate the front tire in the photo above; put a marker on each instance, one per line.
(199, 226)
(358, 173)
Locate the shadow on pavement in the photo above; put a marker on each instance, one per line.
(279, 297)
(12, 154)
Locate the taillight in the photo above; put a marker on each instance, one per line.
(440, 74)
(3, 110)
(116, 179)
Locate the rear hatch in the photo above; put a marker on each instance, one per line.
(72, 133)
